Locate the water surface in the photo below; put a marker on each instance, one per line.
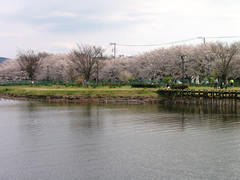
(54, 141)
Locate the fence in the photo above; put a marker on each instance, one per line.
(30, 82)
(229, 98)
(60, 82)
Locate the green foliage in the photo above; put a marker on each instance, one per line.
(100, 84)
(131, 79)
(214, 75)
(167, 80)
(3, 90)
(67, 84)
(48, 84)
(110, 84)
(179, 86)
(210, 79)
(94, 85)
(141, 85)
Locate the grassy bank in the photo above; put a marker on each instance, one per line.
(125, 91)
(211, 88)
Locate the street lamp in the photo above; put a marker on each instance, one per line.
(183, 57)
(97, 72)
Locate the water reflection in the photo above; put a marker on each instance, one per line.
(202, 108)
(54, 141)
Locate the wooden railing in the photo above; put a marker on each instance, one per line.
(217, 97)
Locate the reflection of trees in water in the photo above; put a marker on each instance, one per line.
(31, 114)
(206, 109)
(203, 115)
(86, 119)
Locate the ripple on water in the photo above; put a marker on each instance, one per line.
(47, 141)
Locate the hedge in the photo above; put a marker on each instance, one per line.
(179, 86)
(141, 85)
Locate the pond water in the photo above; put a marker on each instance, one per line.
(54, 141)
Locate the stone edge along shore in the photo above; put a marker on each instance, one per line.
(82, 99)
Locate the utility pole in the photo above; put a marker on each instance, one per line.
(203, 38)
(114, 49)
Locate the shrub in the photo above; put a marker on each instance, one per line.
(141, 85)
(167, 80)
(67, 84)
(110, 84)
(79, 81)
(131, 79)
(179, 86)
(124, 76)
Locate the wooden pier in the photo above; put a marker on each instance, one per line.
(202, 97)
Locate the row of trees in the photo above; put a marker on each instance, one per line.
(89, 62)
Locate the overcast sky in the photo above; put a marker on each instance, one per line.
(59, 25)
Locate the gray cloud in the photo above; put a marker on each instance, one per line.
(123, 21)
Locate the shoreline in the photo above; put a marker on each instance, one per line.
(83, 99)
(136, 100)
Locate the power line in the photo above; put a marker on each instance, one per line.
(223, 37)
(175, 42)
(226, 37)
(157, 44)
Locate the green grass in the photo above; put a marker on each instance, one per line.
(78, 91)
(211, 88)
(124, 91)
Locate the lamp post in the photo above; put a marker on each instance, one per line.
(183, 57)
(97, 72)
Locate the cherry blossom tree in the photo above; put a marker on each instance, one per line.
(112, 68)
(10, 70)
(226, 58)
(84, 59)
(124, 76)
(29, 62)
(108, 71)
(87, 62)
(54, 67)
